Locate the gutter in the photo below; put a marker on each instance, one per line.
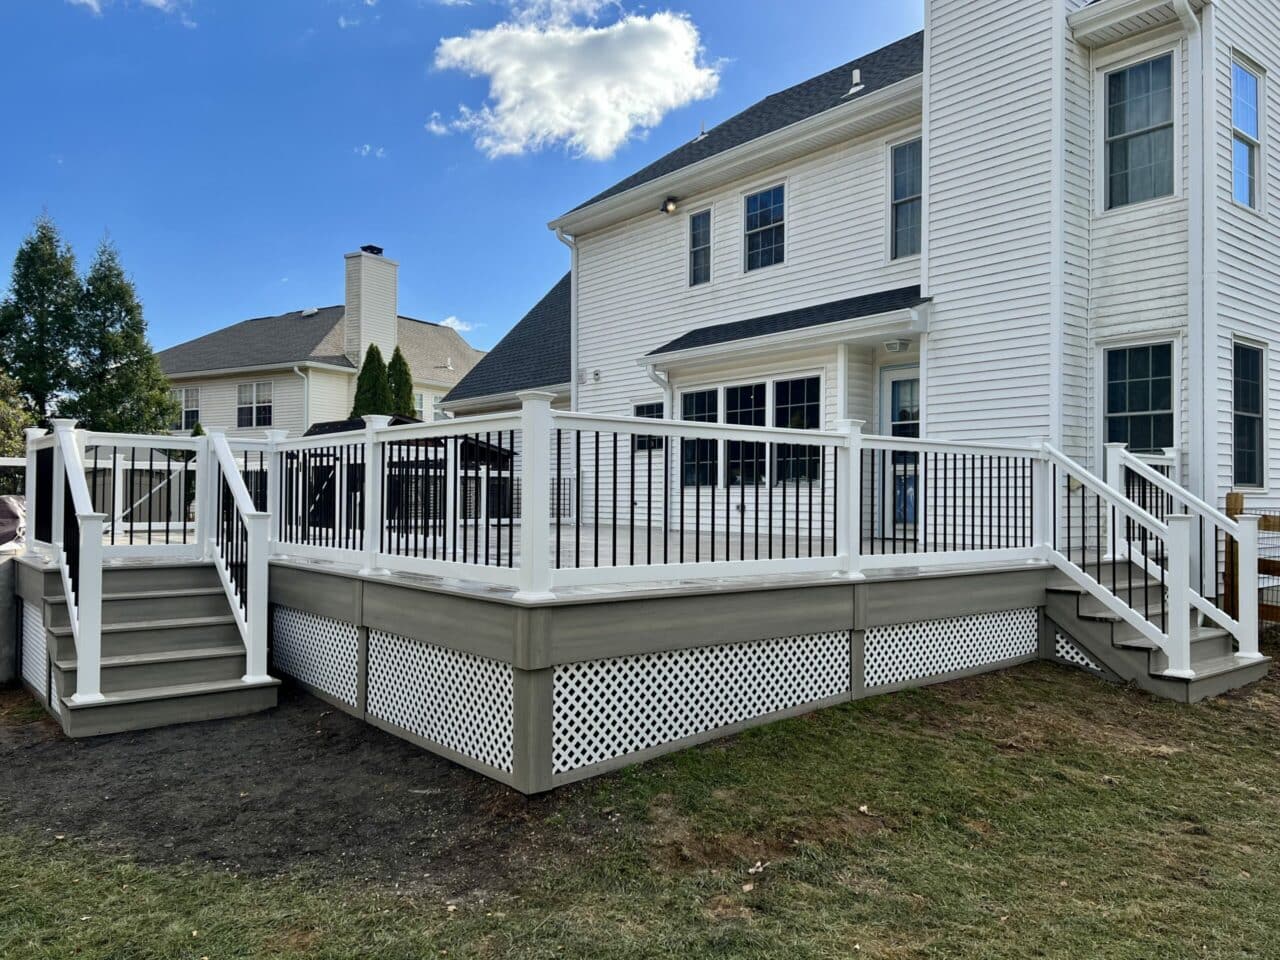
(572, 244)
(306, 399)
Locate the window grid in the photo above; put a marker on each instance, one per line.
(745, 461)
(797, 405)
(700, 248)
(1247, 134)
(907, 201)
(1247, 433)
(188, 400)
(1139, 133)
(699, 459)
(765, 227)
(253, 404)
(643, 442)
(1140, 397)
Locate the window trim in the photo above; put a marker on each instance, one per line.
(1153, 339)
(787, 236)
(710, 248)
(184, 409)
(1248, 63)
(1104, 66)
(254, 385)
(890, 203)
(1262, 416)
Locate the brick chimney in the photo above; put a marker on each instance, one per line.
(371, 303)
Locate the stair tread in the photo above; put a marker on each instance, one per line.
(1217, 666)
(160, 594)
(161, 656)
(172, 624)
(1198, 635)
(172, 691)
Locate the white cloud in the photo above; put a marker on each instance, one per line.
(346, 23)
(177, 8)
(368, 150)
(454, 323)
(590, 88)
(435, 124)
(93, 5)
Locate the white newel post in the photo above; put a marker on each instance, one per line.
(275, 480)
(1114, 453)
(206, 492)
(33, 434)
(536, 425)
(257, 527)
(372, 491)
(1247, 584)
(1178, 625)
(89, 611)
(1042, 499)
(58, 489)
(849, 499)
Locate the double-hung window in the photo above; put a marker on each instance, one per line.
(745, 406)
(253, 404)
(1139, 132)
(642, 442)
(765, 228)
(188, 401)
(699, 459)
(797, 405)
(1246, 141)
(700, 248)
(1140, 397)
(420, 406)
(1247, 441)
(907, 203)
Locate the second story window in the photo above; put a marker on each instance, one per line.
(765, 216)
(420, 406)
(907, 200)
(1246, 136)
(188, 400)
(253, 404)
(1139, 141)
(700, 248)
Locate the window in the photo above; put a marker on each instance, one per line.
(907, 203)
(797, 405)
(642, 442)
(253, 404)
(764, 228)
(1247, 138)
(700, 248)
(188, 401)
(699, 460)
(1139, 149)
(1140, 397)
(420, 406)
(745, 406)
(1247, 447)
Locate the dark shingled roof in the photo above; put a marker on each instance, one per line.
(885, 67)
(534, 354)
(286, 339)
(869, 305)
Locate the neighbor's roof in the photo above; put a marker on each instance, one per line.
(853, 308)
(534, 354)
(884, 67)
(294, 338)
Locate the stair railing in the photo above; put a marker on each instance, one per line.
(238, 546)
(77, 542)
(1163, 548)
(1207, 528)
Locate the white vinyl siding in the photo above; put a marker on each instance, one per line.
(219, 399)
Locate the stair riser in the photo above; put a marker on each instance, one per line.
(152, 608)
(133, 579)
(146, 675)
(153, 641)
(1211, 648)
(93, 721)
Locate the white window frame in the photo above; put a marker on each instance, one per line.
(420, 404)
(1155, 338)
(181, 395)
(711, 246)
(787, 236)
(1266, 426)
(254, 385)
(889, 147)
(1131, 56)
(1248, 63)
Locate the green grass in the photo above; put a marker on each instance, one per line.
(1033, 813)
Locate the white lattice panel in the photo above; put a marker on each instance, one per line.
(457, 700)
(611, 708)
(35, 659)
(1066, 651)
(55, 704)
(928, 648)
(320, 652)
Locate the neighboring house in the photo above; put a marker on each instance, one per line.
(298, 369)
(1037, 218)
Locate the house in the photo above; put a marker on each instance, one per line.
(297, 369)
(933, 364)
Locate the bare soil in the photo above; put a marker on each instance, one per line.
(301, 789)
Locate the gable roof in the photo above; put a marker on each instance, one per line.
(534, 354)
(853, 308)
(882, 68)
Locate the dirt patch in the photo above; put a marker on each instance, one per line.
(302, 789)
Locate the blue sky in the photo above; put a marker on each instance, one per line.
(235, 149)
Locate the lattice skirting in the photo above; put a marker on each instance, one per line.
(35, 657)
(320, 652)
(457, 700)
(611, 708)
(903, 652)
(1065, 650)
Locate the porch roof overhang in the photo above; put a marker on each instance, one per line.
(861, 320)
(1108, 21)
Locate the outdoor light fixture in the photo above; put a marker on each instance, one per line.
(668, 205)
(896, 346)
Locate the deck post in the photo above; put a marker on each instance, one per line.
(1178, 626)
(88, 611)
(1043, 500)
(33, 434)
(275, 480)
(372, 491)
(257, 527)
(848, 497)
(1114, 454)
(1247, 581)
(206, 493)
(536, 424)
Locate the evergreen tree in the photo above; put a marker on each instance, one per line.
(120, 386)
(14, 419)
(401, 381)
(197, 430)
(373, 392)
(38, 321)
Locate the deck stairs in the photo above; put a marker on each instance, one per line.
(1088, 633)
(171, 651)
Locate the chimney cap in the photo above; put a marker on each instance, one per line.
(371, 248)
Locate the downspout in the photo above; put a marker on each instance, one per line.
(306, 399)
(1197, 341)
(572, 244)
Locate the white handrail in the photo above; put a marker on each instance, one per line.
(689, 429)
(1179, 493)
(1115, 497)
